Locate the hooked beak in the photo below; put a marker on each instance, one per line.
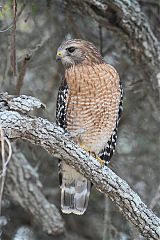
(59, 56)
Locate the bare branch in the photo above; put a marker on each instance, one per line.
(24, 187)
(52, 138)
(11, 25)
(5, 162)
(22, 72)
(6, 28)
(23, 103)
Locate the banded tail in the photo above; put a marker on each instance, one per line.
(75, 190)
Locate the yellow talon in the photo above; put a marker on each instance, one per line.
(102, 162)
(85, 148)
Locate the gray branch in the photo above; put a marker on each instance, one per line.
(52, 138)
(23, 186)
(23, 103)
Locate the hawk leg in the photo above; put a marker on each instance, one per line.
(102, 162)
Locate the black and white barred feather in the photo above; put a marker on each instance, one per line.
(61, 112)
(61, 109)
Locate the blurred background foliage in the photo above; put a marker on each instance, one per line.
(41, 27)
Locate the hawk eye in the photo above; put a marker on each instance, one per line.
(71, 49)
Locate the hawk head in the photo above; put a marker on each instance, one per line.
(77, 51)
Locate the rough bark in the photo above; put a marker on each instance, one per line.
(52, 138)
(23, 186)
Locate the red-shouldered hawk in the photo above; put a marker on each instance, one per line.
(89, 105)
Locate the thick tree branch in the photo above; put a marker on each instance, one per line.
(24, 187)
(52, 138)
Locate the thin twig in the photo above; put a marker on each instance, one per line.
(4, 162)
(9, 152)
(9, 58)
(5, 29)
(7, 64)
(22, 72)
(3, 168)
